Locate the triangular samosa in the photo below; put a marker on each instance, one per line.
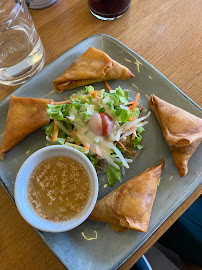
(181, 156)
(182, 131)
(129, 206)
(92, 66)
(25, 115)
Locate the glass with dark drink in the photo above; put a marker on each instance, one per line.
(108, 9)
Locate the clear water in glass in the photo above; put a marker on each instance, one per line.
(21, 50)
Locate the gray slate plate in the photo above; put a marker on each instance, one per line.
(94, 245)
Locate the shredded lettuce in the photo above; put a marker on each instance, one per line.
(86, 115)
(123, 95)
(138, 138)
(61, 140)
(49, 130)
(89, 88)
(93, 158)
(55, 111)
(100, 110)
(123, 115)
(58, 112)
(135, 113)
(113, 174)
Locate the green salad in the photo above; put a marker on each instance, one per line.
(102, 125)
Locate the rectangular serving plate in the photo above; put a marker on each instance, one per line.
(94, 245)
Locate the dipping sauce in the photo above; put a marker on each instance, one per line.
(59, 188)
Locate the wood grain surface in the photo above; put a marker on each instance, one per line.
(168, 34)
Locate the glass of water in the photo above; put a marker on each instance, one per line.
(21, 51)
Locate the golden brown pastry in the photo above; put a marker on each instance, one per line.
(25, 115)
(92, 66)
(129, 206)
(182, 131)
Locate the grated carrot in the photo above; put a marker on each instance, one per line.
(131, 102)
(141, 108)
(135, 102)
(107, 85)
(78, 143)
(87, 147)
(56, 130)
(133, 137)
(94, 93)
(131, 118)
(123, 146)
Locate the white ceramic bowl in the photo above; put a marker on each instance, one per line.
(21, 189)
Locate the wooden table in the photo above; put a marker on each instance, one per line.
(168, 34)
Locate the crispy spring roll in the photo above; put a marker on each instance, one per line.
(182, 131)
(129, 206)
(25, 115)
(91, 67)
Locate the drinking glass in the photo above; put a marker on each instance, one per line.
(21, 50)
(108, 9)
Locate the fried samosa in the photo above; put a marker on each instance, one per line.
(129, 206)
(92, 66)
(182, 131)
(25, 115)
